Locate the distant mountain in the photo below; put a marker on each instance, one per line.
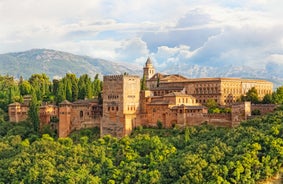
(272, 72)
(57, 64)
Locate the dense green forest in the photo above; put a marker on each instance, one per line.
(70, 88)
(246, 154)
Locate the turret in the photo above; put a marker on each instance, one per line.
(64, 128)
(148, 70)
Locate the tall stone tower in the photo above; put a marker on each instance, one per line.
(148, 70)
(120, 104)
(64, 127)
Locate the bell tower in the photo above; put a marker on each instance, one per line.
(148, 70)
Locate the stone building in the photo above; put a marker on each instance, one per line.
(167, 109)
(47, 113)
(77, 115)
(172, 100)
(225, 91)
(18, 112)
(120, 104)
(66, 117)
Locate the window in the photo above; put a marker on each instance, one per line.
(81, 114)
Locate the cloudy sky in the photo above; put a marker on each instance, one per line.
(203, 32)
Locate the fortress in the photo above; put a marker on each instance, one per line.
(167, 100)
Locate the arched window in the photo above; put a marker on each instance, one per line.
(81, 114)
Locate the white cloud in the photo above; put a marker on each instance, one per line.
(204, 32)
(132, 49)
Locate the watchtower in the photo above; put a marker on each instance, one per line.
(120, 104)
(64, 128)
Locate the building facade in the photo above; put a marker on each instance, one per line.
(120, 104)
(170, 100)
(225, 91)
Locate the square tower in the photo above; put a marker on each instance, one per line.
(120, 104)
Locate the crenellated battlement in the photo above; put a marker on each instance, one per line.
(112, 77)
(118, 77)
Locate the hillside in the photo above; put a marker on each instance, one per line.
(249, 153)
(57, 64)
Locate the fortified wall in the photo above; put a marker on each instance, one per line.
(168, 100)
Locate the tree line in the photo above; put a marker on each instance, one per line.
(70, 88)
(250, 153)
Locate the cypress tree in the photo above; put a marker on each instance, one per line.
(33, 112)
(61, 93)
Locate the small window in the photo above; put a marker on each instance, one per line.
(81, 114)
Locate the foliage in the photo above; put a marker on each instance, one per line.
(159, 124)
(278, 95)
(143, 83)
(214, 108)
(252, 96)
(246, 154)
(256, 112)
(9, 92)
(33, 112)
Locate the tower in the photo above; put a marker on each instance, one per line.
(148, 70)
(120, 104)
(64, 128)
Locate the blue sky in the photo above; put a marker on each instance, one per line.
(204, 33)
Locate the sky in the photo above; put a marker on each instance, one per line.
(199, 32)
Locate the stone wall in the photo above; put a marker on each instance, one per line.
(264, 108)
(17, 112)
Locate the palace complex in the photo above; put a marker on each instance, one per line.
(167, 100)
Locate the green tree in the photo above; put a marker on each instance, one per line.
(61, 96)
(143, 83)
(68, 87)
(212, 106)
(25, 87)
(252, 95)
(41, 85)
(85, 87)
(71, 83)
(96, 86)
(33, 112)
(278, 95)
(55, 86)
(267, 99)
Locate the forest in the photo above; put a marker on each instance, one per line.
(249, 153)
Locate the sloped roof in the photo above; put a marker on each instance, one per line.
(148, 61)
(156, 76)
(65, 102)
(172, 78)
(85, 101)
(177, 94)
(14, 104)
(168, 78)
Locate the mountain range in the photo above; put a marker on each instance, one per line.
(56, 64)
